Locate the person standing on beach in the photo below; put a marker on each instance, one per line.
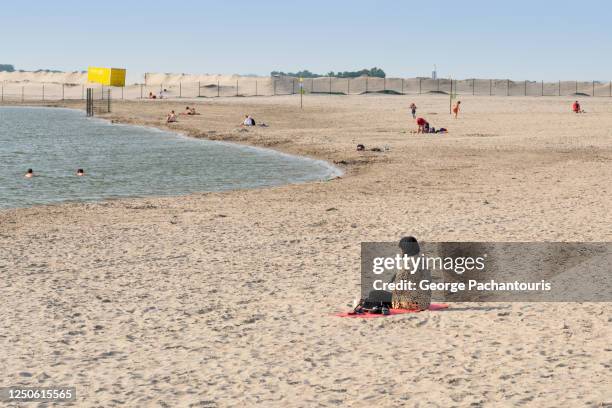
(456, 109)
(413, 109)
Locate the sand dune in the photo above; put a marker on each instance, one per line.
(75, 77)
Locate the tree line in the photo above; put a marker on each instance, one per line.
(373, 72)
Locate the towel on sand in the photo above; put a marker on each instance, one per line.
(432, 307)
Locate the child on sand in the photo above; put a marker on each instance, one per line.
(456, 109)
(413, 109)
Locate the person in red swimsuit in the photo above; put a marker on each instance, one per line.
(423, 125)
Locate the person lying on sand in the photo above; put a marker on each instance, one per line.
(80, 172)
(577, 108)
(248, 121)
(151, 96)
(29, 173)
(171, 117)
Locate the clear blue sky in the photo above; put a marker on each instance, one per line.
(512, 39)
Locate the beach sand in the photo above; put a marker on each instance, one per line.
(227, 299)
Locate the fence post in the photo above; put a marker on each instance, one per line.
(366, 91)
(525, 88)
(293, 86)
(402, 86)
(438, 86)
(256, 93)
(384, 84)
(559, 87)
(576, 86)
(140, 91)
(108, 99)
(542, 88)
(507, 87)
(274, 86)
(180, 89)
(490, 87)
(593, 88)
(236, 87)
(43, 91)
(348, 86)
(218, 89)
(330, 79)
(420, 79)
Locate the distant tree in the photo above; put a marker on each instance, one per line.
(374, 72)
(303, 74)
(7, 68)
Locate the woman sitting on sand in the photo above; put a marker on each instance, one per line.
(171, 117)
(248, 121)
(416, 299)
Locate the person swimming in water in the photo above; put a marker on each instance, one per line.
(29, 173)
(80, 172)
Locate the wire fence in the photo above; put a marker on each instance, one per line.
(248, 86)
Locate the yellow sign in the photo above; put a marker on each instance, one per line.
(106, 76)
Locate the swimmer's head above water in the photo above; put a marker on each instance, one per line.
(80, 172)
(29, 173)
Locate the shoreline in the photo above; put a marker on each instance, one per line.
(335, 172)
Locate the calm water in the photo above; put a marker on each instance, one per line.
(126, 161)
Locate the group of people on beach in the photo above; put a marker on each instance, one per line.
(161, 95)
(171, 117)
(423, 125)
(30, 173)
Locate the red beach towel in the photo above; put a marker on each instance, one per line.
(393, 312)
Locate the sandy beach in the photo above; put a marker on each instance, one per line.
(227, 299)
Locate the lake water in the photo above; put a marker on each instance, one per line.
(127, 161)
